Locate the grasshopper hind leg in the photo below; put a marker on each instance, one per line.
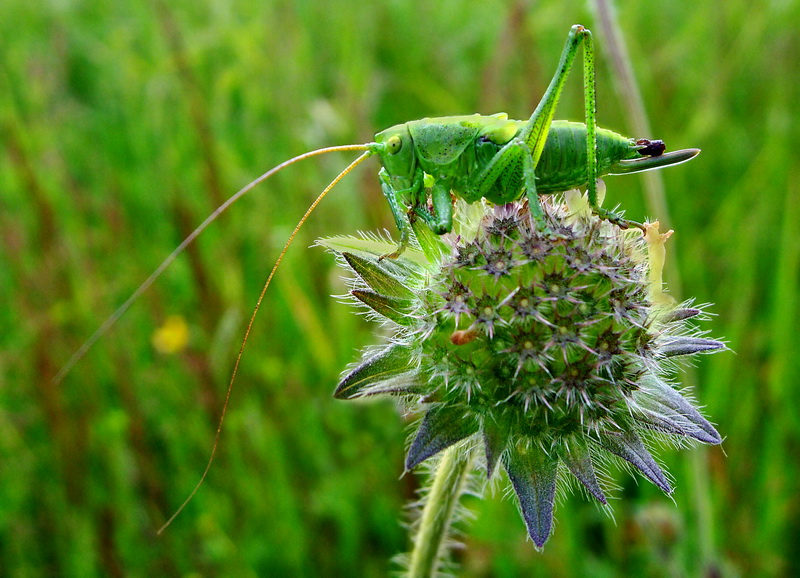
(616, 218)
(536, 130)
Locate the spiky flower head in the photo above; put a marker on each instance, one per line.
(545, 349)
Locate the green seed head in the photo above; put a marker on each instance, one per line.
(546, 347)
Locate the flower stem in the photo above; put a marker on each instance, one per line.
(440, 504)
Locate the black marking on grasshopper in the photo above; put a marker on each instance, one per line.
(651, 148)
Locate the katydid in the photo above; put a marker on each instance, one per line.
(499, 159)
(425, 163)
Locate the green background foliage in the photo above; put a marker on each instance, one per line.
(124, 123)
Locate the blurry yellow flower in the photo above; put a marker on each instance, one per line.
(172, 337)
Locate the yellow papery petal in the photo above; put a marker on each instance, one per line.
(657, 254)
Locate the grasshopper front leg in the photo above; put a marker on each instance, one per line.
(402, 218)
(439, 220)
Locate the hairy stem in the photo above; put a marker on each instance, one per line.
(440, 504)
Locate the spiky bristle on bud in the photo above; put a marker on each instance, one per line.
(547, 347)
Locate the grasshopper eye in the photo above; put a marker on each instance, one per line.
(394, 144)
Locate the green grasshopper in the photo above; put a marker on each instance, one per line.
(499, 159)
(425, 162)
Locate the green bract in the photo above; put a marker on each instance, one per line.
(544, 349)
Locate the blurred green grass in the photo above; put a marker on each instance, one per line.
(124, 124)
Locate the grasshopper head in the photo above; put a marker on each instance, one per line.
(396, 149)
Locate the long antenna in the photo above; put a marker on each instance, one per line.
(114, 317)
(310, 210)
